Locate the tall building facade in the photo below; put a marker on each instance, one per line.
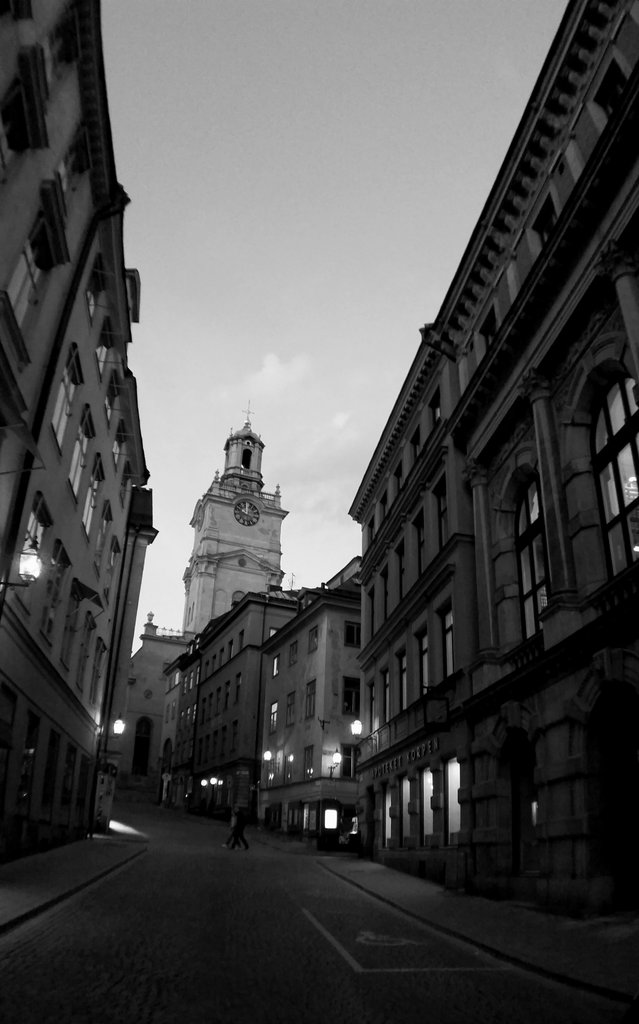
(237, 527)
(75, 517)
(212, 748)
(500, 517)
(312, 706)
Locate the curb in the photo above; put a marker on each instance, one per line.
(40, 908)
(599, 990)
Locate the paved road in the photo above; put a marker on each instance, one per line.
(190, 932)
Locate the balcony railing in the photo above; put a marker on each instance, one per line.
(427, 712)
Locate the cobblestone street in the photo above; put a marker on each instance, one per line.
(190, 931)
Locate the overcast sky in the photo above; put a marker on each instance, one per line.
(304, 176)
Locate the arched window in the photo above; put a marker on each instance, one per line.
(531, 559)
(246, 458)
(617, 469)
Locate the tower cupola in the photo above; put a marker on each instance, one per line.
(243, 460)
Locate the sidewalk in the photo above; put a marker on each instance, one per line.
(30, 885)
(600, 955)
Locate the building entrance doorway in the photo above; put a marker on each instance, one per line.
(613, 798)
(518, 767)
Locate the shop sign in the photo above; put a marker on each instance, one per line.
(429, 746)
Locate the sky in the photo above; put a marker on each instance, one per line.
(304, 177)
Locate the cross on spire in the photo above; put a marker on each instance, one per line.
(248, 413)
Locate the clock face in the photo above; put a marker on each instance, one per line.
(246, 513)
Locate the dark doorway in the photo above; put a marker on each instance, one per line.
(518, 766)
(614, 791)
(141, 747)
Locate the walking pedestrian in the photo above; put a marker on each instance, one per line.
(238, 830)
(231, 837)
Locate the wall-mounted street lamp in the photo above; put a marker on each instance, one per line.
(118, 727)
(29, 569)
(356, 727)
(337, 760)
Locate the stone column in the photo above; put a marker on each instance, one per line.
(622, 269)
(561, 564)
(487, 634)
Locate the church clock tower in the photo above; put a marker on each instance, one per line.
(237, 527)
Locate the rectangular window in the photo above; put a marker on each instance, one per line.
(290, 708)
(424, 673)
(351, 696)
(404, 815)
(230, 650)
(50, 773)
(83, 657)
(69, 772)
(442, 511)
(447, 642)
(415, 444)
(223, 741)
(39, 521)
(23, 284)
(403, 680)
(79, 456)
(55, 579)
(25, 782)
(372, 713)
(545, 221)
(112, 562)
(427, 805)
(240, 641)
(313, 638)
(386, 710)
(401, 569)
(273, 717)
(452, 810)
(105, 522)
(309, 704)
(238, 687)
(234, 733)
(420, 536)
(348, 761)
(218, 699)
(91, 499)
(96, 671)
(111, 398)
(276, 665)
(352, 634)
(8, 702)
(292, 653)
(435, 410)
(370, 598)
(71, 379)
(383, 577)
(227, 694)
(308, 762)
(95, 286)
(105, 343)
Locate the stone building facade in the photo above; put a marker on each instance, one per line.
(75, 517)
(500, 517)
(312, 700)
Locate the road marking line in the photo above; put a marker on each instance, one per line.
(355, 966)
(334, 943)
